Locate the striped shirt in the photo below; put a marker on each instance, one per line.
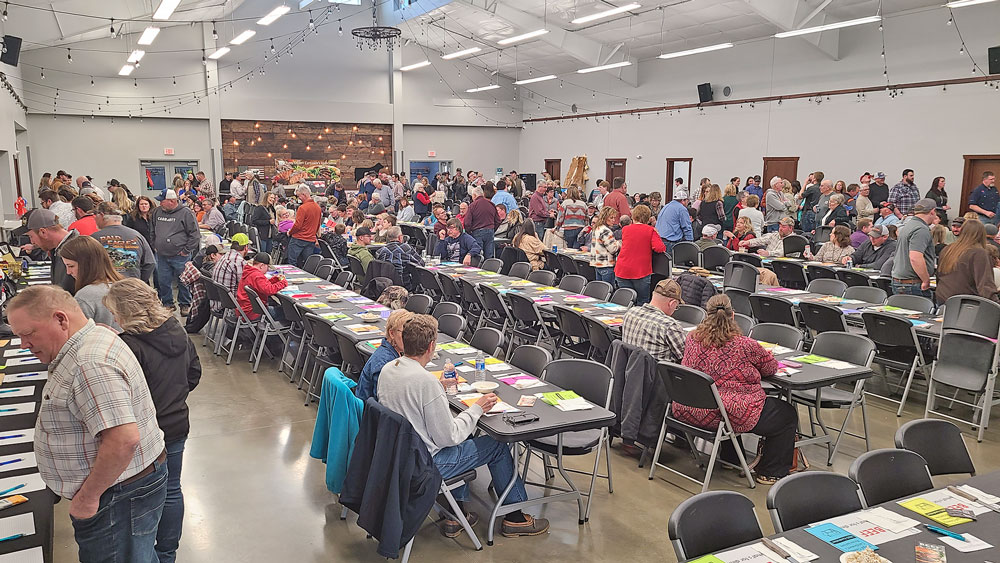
(655, 332)
(95, 383)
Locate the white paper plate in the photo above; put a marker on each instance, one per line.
(843, 558)
(485, 386)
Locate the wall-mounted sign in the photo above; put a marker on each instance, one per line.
(432, 153)
(168, 152)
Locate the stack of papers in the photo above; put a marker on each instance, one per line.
(611, 321)
(793, 549)
(774, 348)
(566, 401)
(611, 306)
(458, 348)
(364, 329)
(521, 381)
(500, 407)
(785, 290)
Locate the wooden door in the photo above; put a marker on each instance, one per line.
(17, 177)
(975, 165)
(554, 167)
(614, 168)
(784, 167)
(677, 168)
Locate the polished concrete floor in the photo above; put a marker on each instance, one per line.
(253, 494)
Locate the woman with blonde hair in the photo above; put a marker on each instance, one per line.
(737, 364)
(170, 364)
(742, 232)
(712, 210)
(88, 263)
(730, 200)
(604, 246)
(121, 199)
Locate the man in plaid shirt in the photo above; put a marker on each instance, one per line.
(97, 442)
(229, 269)
(651, 327)
(399, 254)
(905, 194)
(192, 277)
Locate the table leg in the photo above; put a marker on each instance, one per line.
(499, 505)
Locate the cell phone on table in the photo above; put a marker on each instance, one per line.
(791, 364)
(520, 418)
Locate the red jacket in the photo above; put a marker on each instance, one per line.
(264, 286)
(86, 225)
(635, 259)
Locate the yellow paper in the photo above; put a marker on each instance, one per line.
(933, 511)
(4, 343)
(491, 360)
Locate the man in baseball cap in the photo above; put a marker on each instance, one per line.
(228, 270)
(255, 277)
(651, 328)
(46, 233)
(876, 250)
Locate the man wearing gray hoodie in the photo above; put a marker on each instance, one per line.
(175, 238)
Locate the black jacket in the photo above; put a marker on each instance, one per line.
(170, 363)
(839, 217)
(261, 218)
(695, 289)
(639, 397)
(58, 268)
(139, 224)
(391, 481)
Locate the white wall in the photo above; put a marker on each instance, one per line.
(925, 129)
(471, 148)
(102, 149)
(12, 119)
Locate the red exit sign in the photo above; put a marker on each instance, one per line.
(168, 152)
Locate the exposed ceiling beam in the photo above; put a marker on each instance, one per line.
(587, 51)
(787, 15)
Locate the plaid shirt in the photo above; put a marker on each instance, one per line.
(604, 247)
(95, 383)
(228, 271)
(191, 277)
(654, 331)
(904, 196)
(399, 254)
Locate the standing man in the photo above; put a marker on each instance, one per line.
(915, 258)
(237, 189)
(130, 254)
(504, 197)
(173, 231)
(538, 210)
(878, 192)
(985, 199)
(302, 243)
(97, 442)
(46, 233)
(754, 188)
(225, 183)
(516, 185)
(83, 209)
(810, 198)
(481, 221)
(904, 194)
(674, 222)
(863, 204)
(618, 199)
(206, 188)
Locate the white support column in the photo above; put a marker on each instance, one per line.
(395, 60)
(213, 98)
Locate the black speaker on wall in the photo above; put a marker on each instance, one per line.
(12, 50)
(994, 56)
(705, 92)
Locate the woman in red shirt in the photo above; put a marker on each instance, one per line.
(741, 232)
(737, 363)
(634, 265)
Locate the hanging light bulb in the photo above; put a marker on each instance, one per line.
(961, 50)
(215, 34)
(175, 80)
(204, 61)
(340, 27)
(42, 73)
(272, 47)
(5, 4)
(69, 56)
(112, 27)
(949, 20)
(91, 81)
(312, 24)
(135, 83)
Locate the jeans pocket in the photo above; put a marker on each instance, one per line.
(146, 506)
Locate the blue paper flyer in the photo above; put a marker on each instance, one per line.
(840, 538)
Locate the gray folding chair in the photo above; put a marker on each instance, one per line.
(939, 442)
(573, 283)
(741, 276)
(866, 293)
(574, 338)
(827, 286)
(740, 299)
(712, 522)
(897, 348)
(531, 359)
(520, 270)
(492, 264)
(266, 326)
(624, 296)
(745, 323)
(598, 290)
(239, 319)
(803, 498)
(917, 303)
(419, 303)
(775, 333)
(446, 307)
(312, 263)
(487, 339)
(451, 324)
(689, 314)
(890, 474)
(543, 277)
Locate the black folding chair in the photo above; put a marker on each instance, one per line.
(687, 254)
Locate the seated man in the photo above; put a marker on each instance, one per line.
(651, 327)
(772, 242)
(359, 249)
(400, 255)
(405, 387)
(254, 276)
(387, 351)
(457, 246)
(876, 250)
(708, 239)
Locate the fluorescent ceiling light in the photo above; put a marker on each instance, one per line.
(242, 38)
(523, 36)
(696, 51)
(304, 3)
(136, 56)
(964, 3)
(483, 88)
(126, 70)
(274, 15)
(827, 27)
(604, 67)
(606, 13)
(421, 64)
(461, 53)
(148, 35)
(218, 54)
(165, 9)
(539, 79)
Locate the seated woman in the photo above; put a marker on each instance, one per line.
(741, 232)
(527, 241)
(388, 350)
(88, 262)
(737, 364)
(838, 250)
(966, 266)
(837, 213)
(510, 222)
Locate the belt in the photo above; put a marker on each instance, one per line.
(149, 469)
(914, 280)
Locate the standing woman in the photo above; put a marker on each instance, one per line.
(88, 262)
(172, 369)
(572, 216)
(840, 187)
(604, 246)
(634, 266)
(264, 217)
(712, 210)
(141, 216)
(940, 198)
(121, 199)
(729, 202)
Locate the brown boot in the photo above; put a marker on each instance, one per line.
(453, 528)
(530, 527)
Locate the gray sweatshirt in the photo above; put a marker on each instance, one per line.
(89, 297)
(173, 232)
(408, 389)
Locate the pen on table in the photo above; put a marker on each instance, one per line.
(5, 492)
(11, 436)
(14, 537)
(942, 531)
(8, 390)
(26, 374)
(7, 410)
(9, 461)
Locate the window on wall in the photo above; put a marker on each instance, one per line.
(157, 175)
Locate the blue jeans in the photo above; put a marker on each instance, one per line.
(266, 245)
(168, 270)
(570, 236)
(168, 534)
(125, 526)
(476, 452)
(540, 229)
(299, 250)
(772, 228)
(808, 220)
(641, 287)
(486, 238)
(909, 289)
(670, 246)
(606, 274)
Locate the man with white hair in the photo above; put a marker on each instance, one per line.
(399, 254)
(302, 241)
(384, 191)
(481, 221)
(376, 207)
(775, 205)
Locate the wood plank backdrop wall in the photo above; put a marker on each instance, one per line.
(258, 144)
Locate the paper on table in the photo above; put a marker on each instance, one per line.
(20, 524)
(875, 535)
(795, 550)
(17, 408)
(835, 364)
(465, 368)
(498, 367)
(971, 543)
(981, 495)
(27, 460)
(578, 404)
(838, 537)
(32, 555)
(32, 482)
(27, 360)
(31, 376)
(932, 510)
(17, 436)
(17, 352)
(745, 554)
(949, 500)
(888, 519)
(17, 392)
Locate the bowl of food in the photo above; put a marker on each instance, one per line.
(370, 317)
(866, 556)
(485, 386)
(334, 298)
